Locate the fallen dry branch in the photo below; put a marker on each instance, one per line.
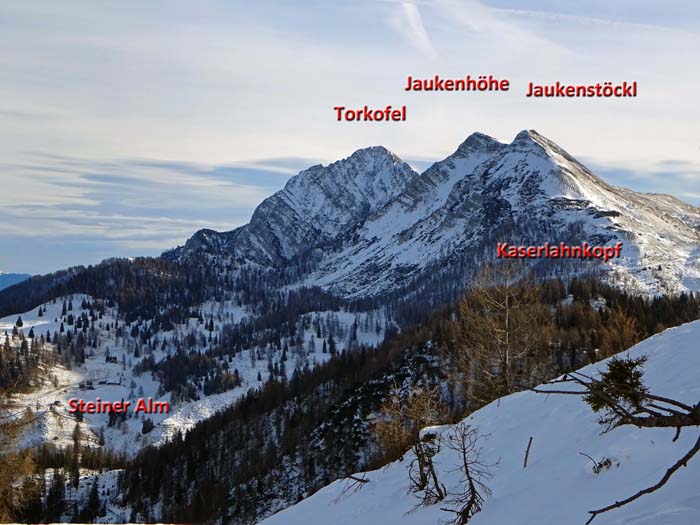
(623, 399)
(677, 465)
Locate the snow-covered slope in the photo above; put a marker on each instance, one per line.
(120, 378)
(372, 224)
(559, 485)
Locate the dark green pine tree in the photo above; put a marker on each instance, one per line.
(55, 500)
(75, 471)
(92, 509)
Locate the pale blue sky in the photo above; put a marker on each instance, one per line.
(128, 125)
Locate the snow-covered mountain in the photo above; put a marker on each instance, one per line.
(313, 209)
(344, 256)
(370, 223)
(559, 484)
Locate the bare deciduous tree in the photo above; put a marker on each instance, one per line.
(620, 333)
(15, 465)
(472, 491)
(425, 407)
(504, 325)
(402, 416)
(422, 474)
(398, 426)
(391, 427)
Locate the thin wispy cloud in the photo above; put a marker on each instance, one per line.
(133, 206)
(129, 119)
(409, 24)
(670, 177)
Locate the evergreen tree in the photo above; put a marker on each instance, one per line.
(92, 509)
(147, 426)
(55, 500)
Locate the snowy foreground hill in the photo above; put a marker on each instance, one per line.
(559, 485)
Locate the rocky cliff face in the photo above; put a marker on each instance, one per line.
(315, 207)
(370, 223)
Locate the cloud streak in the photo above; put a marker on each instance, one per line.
(410, 25)
(134, 206)
(98, 99)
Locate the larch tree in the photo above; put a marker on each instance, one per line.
(504, 328)
(15, 465)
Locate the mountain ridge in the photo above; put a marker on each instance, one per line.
(377, 169)
(319, 282)
(10, 279)
(369, 220)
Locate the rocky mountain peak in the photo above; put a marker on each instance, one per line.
(365, 168)
(529, 139)
(373, 153)
(374, 222)
(479, 143)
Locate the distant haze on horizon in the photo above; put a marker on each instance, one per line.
(128, 126)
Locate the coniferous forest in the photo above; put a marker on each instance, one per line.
(298, 432)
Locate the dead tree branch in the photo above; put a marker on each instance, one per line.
(677, 465)
(620, 394)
